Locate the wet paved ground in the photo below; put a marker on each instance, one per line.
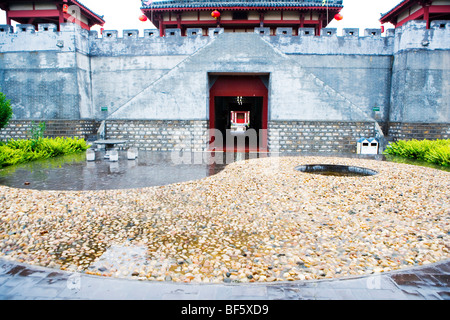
(24, 282)
(73, 172)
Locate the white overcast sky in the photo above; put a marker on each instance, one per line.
(124, 14)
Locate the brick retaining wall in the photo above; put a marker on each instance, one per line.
(318, 136)
(160, 135)
(283, 136)
(419, 131)
(20, 129)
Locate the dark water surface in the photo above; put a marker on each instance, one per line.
(73, 172)
(336, 170)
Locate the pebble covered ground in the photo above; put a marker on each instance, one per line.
(258, 220)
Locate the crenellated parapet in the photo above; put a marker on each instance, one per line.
(372, 42)
(25, 38)
(413, 35)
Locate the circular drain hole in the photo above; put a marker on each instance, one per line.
(336, 170)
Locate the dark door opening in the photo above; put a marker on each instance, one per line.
(237, 102)
(249, 139)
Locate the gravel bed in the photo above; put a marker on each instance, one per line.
(258, 220)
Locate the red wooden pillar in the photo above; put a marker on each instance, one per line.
(61, 16)
(8, 19)
(319, 26)
(426, 14)
(179, 20)
(161, 27)
(426, 11)
(179, 26)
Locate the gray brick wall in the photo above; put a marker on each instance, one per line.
(318, 136)
(283, 136)
(419, 131)
(20, 129)
(160, 135)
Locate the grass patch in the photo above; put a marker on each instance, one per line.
(431, 151)
(22, 151)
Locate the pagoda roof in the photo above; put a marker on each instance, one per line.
(198, 4)
(98, 18)
(438, 10)
(395, 10)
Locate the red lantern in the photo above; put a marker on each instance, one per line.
(65, 8)
(143, 18)
(338, 17)
(215, 14)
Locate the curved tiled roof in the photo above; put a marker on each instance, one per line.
(157, 4)
(98, 18)
(395, 9)
(91, 15)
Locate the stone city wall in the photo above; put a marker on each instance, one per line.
(314, 81)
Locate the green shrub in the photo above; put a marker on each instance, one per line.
(5, 111)
(21, 151)
(439, 155)
(433, 151)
